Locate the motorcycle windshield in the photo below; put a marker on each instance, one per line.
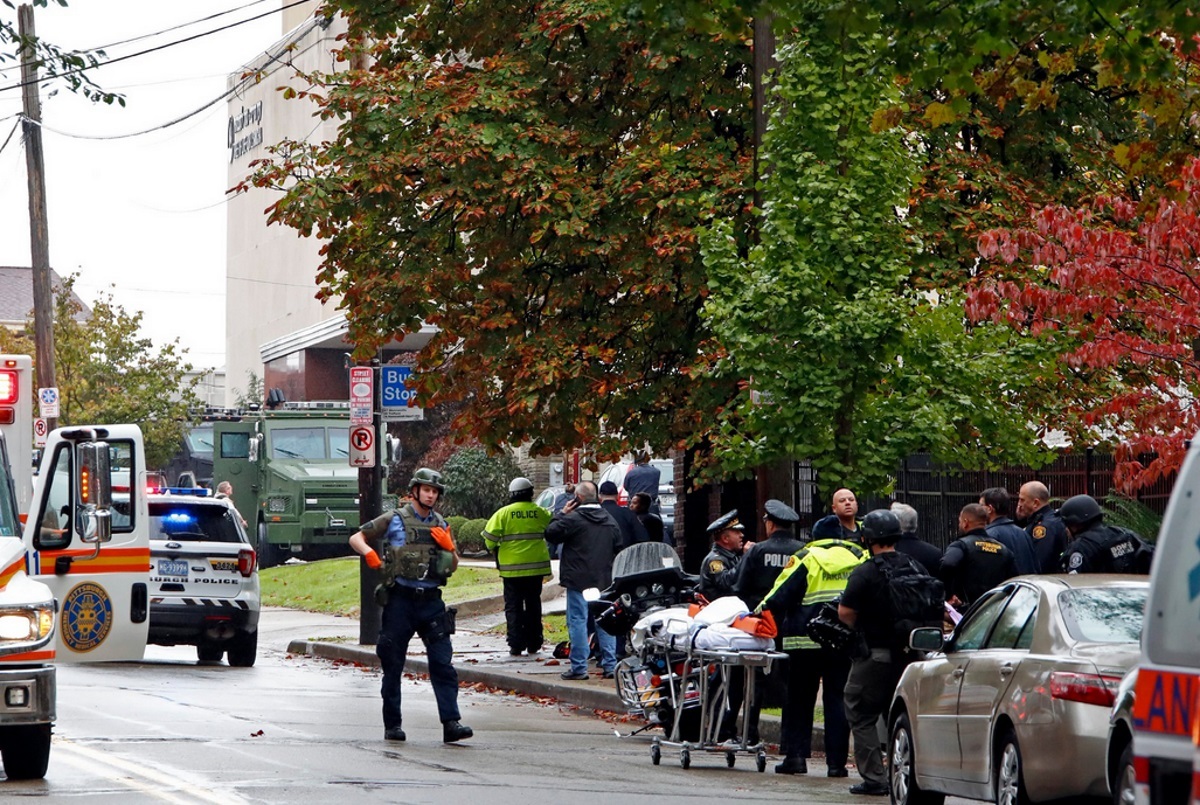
(645, 557)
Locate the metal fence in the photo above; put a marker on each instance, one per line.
(938, 491)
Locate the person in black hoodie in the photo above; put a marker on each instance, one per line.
(590, 538)
(632, 530)
(928, 555)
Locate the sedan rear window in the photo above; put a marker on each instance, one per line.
(183, 523)
(1104, 614)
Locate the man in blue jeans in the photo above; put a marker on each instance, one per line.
(590, 538)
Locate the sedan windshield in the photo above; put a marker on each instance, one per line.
(1104, 614)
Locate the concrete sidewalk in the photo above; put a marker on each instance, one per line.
(481, 657)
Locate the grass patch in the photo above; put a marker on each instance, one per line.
(332, 586)
(554, 629)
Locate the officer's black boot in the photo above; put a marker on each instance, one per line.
(792, 764)
(394, 734)
(455, 731)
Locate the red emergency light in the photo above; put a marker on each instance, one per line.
(10, 386)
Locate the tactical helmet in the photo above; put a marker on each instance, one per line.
(1080, 510)
(427, 477)
(880, 525)
(520, 485)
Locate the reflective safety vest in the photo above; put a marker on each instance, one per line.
(827, 564)
(515, 534)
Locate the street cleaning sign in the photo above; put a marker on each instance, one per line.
(396, 396)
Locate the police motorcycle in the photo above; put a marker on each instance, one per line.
(654, 681)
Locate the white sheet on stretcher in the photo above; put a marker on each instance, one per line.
(727, 638)
(673, 623)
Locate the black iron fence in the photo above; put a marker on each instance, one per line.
(938, 492)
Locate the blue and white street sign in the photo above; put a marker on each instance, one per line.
(396, 396)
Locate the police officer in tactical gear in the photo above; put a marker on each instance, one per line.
(1042, 524)
(418, 558)
(516, 535)
(718, 571)
(974, 563)
(765, 560)
(816, 575)
(866, 606)
(1098, 548)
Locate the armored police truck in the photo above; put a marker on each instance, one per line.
(291, 476)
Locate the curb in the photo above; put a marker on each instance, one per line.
(495, 603)
(587, 696)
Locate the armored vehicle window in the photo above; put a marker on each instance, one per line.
(200, 439)
(235, 445)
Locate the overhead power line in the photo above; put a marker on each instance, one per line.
(154, 49)
(131, 40)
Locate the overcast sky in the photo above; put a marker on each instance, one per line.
(142, 217)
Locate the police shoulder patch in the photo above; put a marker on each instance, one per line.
(792, 561)
(1076, 561)
(1039, 531)
(716, 566)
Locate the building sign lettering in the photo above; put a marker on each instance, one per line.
(245, 131)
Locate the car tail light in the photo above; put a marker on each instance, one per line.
(1085, 688)
(246, 559)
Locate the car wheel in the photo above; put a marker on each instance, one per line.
(244, 650)
(26, 751)
(902, 769)
(1010, 771)
(209, 652)
(1124, 782)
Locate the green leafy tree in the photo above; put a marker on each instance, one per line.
(848, 366)
(108, 373)
(254, 393)
(69, 67)
(531, 179)
(476, 482)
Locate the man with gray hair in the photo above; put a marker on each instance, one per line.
(928, 555)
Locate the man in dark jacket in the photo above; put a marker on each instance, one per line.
(589, 538)
(928, 555)
(718, 571)
(632, 530)
(644, 477)
(765, 560)
(1098, 548)
(974, 563)
(1043, 525)
(1001, 528)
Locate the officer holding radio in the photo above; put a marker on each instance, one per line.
(418, 558)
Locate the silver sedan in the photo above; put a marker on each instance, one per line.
(1013, 706)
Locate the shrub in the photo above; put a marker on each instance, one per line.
(477, 483)
(469, 537)
(456, 523)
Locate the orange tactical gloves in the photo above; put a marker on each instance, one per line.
(441, 535)
(373, 560)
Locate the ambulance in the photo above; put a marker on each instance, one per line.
(1167, 691)
(74, 562)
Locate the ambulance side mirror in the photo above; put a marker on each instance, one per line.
(93, 480)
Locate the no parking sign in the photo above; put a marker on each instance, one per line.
(40, 427)
(362, 446)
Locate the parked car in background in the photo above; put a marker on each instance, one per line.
(1013, 706)
(666, 489)
(204, 588)
(549, 495)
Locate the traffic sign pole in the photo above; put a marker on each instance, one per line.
(370, 505)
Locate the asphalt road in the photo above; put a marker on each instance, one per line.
(297, 729)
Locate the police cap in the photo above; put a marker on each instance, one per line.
(780, 513)
(726, 521)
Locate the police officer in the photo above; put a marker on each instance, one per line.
(1042, 524)
(1098, 548)
(866, 606)
(765, 560)
(974, 563)
(817, 574)
(719, 569)
(418, 559)
(516, 535)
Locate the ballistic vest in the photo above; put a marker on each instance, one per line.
(419, 558)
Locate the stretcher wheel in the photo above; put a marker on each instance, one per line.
(685, 758)
(760, 760)
(730, 759)
(655, 754)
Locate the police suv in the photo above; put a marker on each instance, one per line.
(204, 588)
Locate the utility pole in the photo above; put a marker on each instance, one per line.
(370, 506)
(39, 238)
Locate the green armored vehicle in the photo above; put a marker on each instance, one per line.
(291, 478)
